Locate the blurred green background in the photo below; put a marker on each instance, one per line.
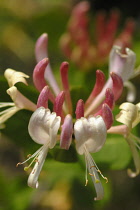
(61, 184)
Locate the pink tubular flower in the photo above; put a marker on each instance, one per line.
(80, 48)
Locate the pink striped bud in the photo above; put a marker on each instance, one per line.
(43, 97)
(109, 100)
(79, 109)
(106, 114)
(58, 104)
(38, 74)
(66, 133)
(117, 85)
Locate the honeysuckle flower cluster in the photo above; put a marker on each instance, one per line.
(87, 50)
(86, 125)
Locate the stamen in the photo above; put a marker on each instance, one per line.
(94, 175)
(5, 104)
(86, 172)
(30, 156)
(135, 138)
(97, 169)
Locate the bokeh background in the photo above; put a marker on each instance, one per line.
(61, 184)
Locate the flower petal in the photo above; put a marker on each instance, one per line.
(33, 177)
(122, 64)
(127, 114)
(91, 132)
(43, 126)
(20, 100)
(13, 77)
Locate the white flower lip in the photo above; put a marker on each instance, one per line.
(90, 132)
(43, 126)
(13, 77)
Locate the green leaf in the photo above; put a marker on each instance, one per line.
(115, 154)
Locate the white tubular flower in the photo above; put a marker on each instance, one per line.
(90, 135)
(13, 77)
(130, 117)
(122, 64)
(19, 102)
(43, 128)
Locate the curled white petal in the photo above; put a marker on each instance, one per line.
(13, 77)
(90, 132)
(33, 177)
(122, 64)
(43, 126)
(128, 114)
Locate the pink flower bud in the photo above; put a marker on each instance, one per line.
(79, 109)
(117, 85)
(38, 74)
(59, 100)
(66, 134)
(107, 115)
(43, 97)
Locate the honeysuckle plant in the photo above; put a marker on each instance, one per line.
(86, 126)
(87, 50)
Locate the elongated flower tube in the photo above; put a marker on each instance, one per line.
(38, 74)
(43, 127)
(130, 117)
(90, 135)
(41, 52)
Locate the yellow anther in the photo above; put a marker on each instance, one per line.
(18, 164)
